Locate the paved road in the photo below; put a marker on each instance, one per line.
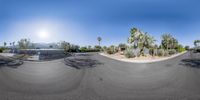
(94, 77)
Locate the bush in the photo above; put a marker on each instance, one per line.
(97, 48)
(166, 53)
(172, 51)
(1, 50)
(181, 49)
(198, 50)
(187, 47)
(109, 51)
(104, 48)
(161, 52)
(151, 51)
(129, 53)
(83, 49)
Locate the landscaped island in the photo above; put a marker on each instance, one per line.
(141, 47)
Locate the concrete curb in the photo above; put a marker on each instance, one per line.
(143, 61)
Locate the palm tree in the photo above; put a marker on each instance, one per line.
(89, 47)
(196, 43)
(148, 40)
(13, 43)
(99, 40)
(135, 38)
(24, 43)
(166, 38)
(4, 44)
(173, 43)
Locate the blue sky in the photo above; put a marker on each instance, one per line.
(81, 22)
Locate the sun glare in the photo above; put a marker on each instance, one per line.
(43, 34)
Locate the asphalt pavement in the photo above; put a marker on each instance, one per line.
(94, 77)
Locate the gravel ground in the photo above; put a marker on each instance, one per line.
(94, 77)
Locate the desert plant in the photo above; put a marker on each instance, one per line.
(129, 53)
(166, 53)
(148, 40)
(172, 51)
(140, 40)
(161, 52)
(168, 41)
(109, 51)
(122, 45)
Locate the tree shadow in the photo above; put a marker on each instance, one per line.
(10, 63)
(194, 63)
(81, 63)
(83, 54)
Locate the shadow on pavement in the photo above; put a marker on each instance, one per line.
(10, 62)
(81, 63)
(194, 63)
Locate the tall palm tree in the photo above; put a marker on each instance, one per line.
(13, 43)
(173, 43)
(99, 40)
(4, 44)
(136, 37)
(196, 43)
(166, 38)
(151, 41)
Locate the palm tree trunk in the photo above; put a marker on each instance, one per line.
(99, 43)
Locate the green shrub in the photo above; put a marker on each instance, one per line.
(109, 51)
(129, 53)
(1, 50)
(104, 48)
(198, 50)
(187, 47)
(181, 49)
(172, 51)
(97, 48)
(83, 49)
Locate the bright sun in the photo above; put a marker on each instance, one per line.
(43, 34)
